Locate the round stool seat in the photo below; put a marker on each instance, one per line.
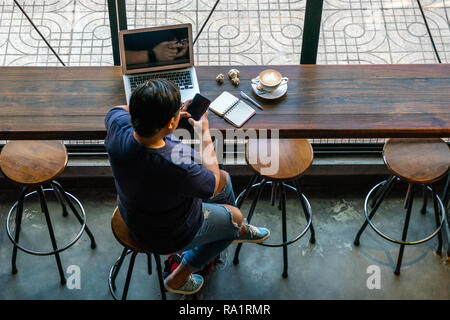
(33, 162)
(417, 160)
(122, 234)
(294, 157)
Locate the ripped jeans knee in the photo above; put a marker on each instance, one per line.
(219, 219)
(217, 232)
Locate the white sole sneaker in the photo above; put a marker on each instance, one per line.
(180, 291)
(251, 241)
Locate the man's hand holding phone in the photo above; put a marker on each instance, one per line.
(198, 108)
(183, 112)
(201, 125)
(194, 112)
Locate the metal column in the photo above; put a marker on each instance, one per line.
(117, 21)
(311, 31)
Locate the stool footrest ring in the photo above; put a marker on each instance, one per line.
(430, 236)
(302, 233)
(46, 253)
(111, 281)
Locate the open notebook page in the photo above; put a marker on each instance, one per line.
(222, 103)
(239, 114)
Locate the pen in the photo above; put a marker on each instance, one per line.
(243, 95)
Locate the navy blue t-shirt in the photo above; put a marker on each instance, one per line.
(160, 191)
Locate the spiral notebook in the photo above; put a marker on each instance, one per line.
(232, 109)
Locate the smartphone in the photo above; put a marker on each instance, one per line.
(198, 106)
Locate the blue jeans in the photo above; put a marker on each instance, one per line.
(216, 233)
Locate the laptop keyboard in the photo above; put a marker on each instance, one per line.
(181, 78)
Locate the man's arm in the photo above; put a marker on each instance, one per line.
(207, 152)
(113, 114)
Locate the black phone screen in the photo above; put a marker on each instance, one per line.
(198, 106)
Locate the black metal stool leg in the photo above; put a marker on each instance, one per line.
(280, 194)
(445, 201)
(273, 194)
(129, 273)
(63, 195)
(149, 263)
(276, 192)
(386, 188)
(247, 190)
(253, 206)
(44, 207)
(19, 213)
(249, 218)
(377, 193)
(407, 197)
(437, 218)
(425, 200)
(305, 211)
(116, 270)
(405, 227)
(446, 193)
(283, 218)
(65, 213)
(160, 276)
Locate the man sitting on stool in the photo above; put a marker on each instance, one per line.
(168, 203)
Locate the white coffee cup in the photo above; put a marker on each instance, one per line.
(271, 79)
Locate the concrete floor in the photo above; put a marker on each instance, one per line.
(332, 268)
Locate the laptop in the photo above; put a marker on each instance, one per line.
(159, 52)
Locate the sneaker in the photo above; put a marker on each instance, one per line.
(191, 286)
(254, 234)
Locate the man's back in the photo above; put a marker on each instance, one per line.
(159, 195)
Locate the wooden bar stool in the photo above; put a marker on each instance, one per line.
(445, 202)
(417, 162)
(276, 162)
(124, 237)
(32, 164)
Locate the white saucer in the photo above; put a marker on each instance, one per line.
(281, 91)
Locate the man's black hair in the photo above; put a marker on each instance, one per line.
(152, 105)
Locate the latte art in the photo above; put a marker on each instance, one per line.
(270, 80)
(270, 77)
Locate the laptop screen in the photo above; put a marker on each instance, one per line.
(159, 48)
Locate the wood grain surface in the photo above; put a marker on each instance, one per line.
(417, 160)
(322, 101)
(33, 162)
(282, 160)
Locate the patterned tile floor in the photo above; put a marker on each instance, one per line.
(240, 31)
